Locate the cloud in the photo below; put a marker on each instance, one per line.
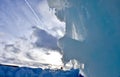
(16, 18)
(16, 21)
(52, 25)
(23, 52)
(30, 52)
(42, 52)
(45, 39)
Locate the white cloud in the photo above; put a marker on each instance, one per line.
(22, 52)
(51, 24)
(25, 51)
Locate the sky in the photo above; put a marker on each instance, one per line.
(21, 16)
(29, 31)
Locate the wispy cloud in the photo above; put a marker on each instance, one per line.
(30, 47)
(27, 52)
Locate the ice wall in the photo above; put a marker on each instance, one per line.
(68, 12)
(14, 71)
(95, 24)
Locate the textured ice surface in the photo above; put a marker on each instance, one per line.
(69, 12)
(95, 24)
(14, 71)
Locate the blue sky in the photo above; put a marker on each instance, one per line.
(29, 31)
(17, 18)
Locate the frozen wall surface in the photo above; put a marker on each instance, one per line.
(14, 71)
(92, 34)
